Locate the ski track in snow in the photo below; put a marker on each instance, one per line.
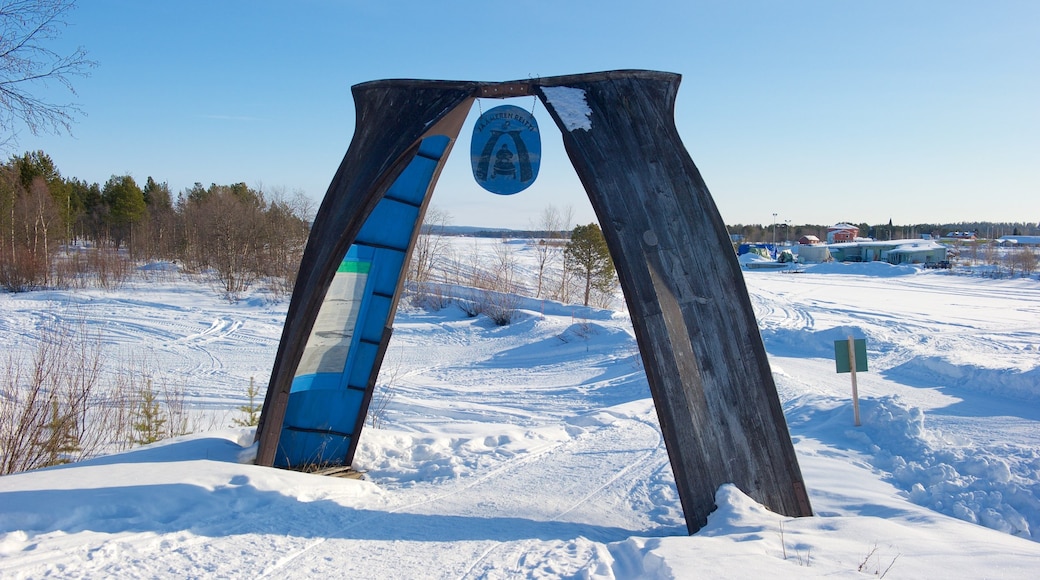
(600, 467)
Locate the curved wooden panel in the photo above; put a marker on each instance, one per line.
(392, 119)
(707, 367)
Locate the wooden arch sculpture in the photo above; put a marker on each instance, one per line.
(705, 362)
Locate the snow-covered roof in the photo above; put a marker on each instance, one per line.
(909, 249)
(1026, 240)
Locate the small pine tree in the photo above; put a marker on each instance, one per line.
(62, 440)
(251, 410)
(150, 420)
(587, 254)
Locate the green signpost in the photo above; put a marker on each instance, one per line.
(850, 356)
(842, 355)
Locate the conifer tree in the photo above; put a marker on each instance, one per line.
(149, 424)
(587, 255)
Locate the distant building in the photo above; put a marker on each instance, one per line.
(960, 235)
(808, 240)
(1020, 240)
(893, 252)
(813, 253)
(840, 233)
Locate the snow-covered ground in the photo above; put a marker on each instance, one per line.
(533, 450)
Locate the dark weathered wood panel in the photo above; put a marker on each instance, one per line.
(708, 372)
(392, 117)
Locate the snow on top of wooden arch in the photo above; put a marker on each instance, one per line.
(571, 106)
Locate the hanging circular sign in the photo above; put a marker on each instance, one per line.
(506, 150)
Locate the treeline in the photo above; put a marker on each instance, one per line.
(885, 231)
(58, 232)
(782, 231)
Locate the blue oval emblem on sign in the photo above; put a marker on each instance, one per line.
(506, 150)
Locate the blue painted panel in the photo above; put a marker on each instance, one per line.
(392, 225)
(366, 358)
(310, 409)
(378, 312)
(316, 382)
(413, 182)
(433, 147)
(359, 253)
(385, 277)
(322, 401)
(409, 185)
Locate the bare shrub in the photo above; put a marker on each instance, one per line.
(110, 268)
(494, 279)
(471, 308)
(872, 563)
(27, 242)
(51, 409)
(548, 249)
(180, 419)
(500, 307)
(70, 270)
(385, 391)
(55, 408)
(431, 296)
(22, 270)
(283, 237)
(1024, 259)
(429, 246)
(605, 295)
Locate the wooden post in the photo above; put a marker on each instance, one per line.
(852, 371)
(707, 367)
(392, 117)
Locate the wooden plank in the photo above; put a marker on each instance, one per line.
(344, 471)
(708, 372)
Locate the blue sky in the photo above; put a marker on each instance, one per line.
(819, 111)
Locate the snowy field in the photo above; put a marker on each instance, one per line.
(533, 450)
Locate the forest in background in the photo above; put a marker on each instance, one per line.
(59, 232)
